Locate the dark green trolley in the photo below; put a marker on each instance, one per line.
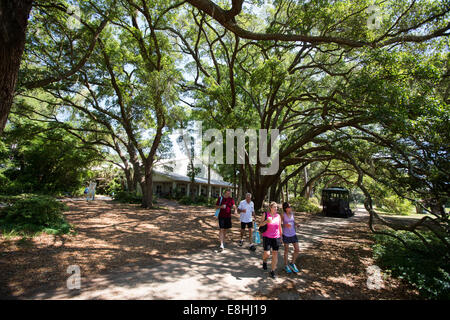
(335, 202)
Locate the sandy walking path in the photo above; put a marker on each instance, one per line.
(235, 273)
(170, 252)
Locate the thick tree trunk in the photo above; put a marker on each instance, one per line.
(191, 190)
(310, 190)
(273, 193)
(239, 190)
(305, 180)
(137, 170)
(234, 181)
(259, 189)
(147, 191)
(130, 183)
(295, 185)
(245, 185)
(260, 186)
(276, 192)
(137, 175)
(306, 192)
(13, 25)
(287, 191)
(259, 196)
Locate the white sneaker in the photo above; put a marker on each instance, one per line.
(222, 247)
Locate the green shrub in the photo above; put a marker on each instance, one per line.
(78, 192)
(427, 270)
(127, 197)
(176, 194)
(34, 213)
(301, 204)
(114, 186)
(16, 187)
(170, 196)
(211, 202)
(131, 197)
(395, 205)
(4, 181)
(201, 200)
(314, 201)
(186, 200)
(198, 200)
(8, 199)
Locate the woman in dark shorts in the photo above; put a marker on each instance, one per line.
(289, 236)
(226, 206)
(271, 237)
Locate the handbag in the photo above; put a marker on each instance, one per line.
(218, 210)
(264, 227)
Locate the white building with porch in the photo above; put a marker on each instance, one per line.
(171, 175)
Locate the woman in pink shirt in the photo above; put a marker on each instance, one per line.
(272, 236)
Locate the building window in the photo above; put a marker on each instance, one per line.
(158, 189)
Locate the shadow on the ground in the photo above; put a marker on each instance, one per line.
(127, 252)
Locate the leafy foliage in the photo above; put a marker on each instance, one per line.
(114, 186)
(376, 104)
(198, 200)
(301, 204)
(42, 159)
(34, 213)
(428, 270)
(127, 197)
(396, 205)
(131, 197)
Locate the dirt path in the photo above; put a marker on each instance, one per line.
(183, 262)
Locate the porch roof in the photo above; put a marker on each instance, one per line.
(181, 178)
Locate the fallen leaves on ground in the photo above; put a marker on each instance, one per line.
(111, 236)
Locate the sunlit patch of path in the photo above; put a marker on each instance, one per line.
(235, 273)
(97, 198)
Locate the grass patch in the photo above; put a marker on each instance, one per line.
(428, 271)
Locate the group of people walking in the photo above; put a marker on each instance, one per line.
(279, 230)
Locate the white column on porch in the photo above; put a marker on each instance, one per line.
(188, 193)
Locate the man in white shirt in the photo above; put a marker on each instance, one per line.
(247, 210)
